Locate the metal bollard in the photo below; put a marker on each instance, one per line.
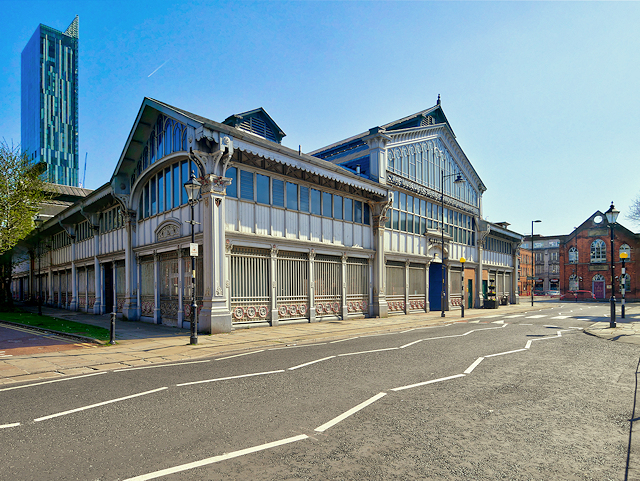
(113, 328)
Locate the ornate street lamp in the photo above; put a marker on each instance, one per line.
(533, 262)
(192, 186)
(458, 180)
(612, 216)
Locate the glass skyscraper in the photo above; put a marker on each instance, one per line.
(49, 110)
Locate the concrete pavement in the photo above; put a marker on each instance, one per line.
(141, 344)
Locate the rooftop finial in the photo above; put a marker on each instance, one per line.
(438, 100)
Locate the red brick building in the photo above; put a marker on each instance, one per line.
(525, 272)
(585, 259)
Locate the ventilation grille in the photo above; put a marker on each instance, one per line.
(259, 127)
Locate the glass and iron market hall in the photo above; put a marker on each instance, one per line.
(49, 109)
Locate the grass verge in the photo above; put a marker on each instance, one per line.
(55, 324)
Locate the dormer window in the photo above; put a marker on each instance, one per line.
(427, 121)
(258, 127)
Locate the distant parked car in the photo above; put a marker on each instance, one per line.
(578, 296)
(553, 293)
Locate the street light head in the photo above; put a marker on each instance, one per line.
(537, 221)
(458, 179)
(192, 186)
(624, 255)
(463, 260)
(612, 214)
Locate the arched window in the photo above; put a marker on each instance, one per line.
(598, 251)
(152, 149)
(625, 249)
(184, 140)
(573, 255)
(145, 158)
(573, 283)
(160, 144)
(390, 160)
(176, 138)
(167, 136)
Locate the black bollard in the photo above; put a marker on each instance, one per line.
(113, 328)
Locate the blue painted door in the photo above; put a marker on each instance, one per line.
(435, 286)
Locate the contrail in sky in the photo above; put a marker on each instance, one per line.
(157, 69)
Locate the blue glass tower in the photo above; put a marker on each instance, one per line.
(49, 110)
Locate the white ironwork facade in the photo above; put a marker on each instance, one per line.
(283, 236)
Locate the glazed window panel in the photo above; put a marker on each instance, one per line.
(152, 192)
(278, 192)
(232, 189)
(316, 200)
(246, 185)
(161, 206)
(327, 210)
(263, 190)
(337, 207)
(357, 207)
(167, 188)
(348, 209)
(292, 196)
(175, 179)
(598, 251)
(366, 214)
(304, 198)
(184, 168)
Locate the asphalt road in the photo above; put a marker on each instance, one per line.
(529, 396)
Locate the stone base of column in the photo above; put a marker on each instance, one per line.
(157, 316)
(97, 307)
(312, 315)
(73, 305)
(275, 318)
(345, 312)
(214, 320)
(129, 311)
(380, 308)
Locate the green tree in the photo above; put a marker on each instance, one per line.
(21, 193)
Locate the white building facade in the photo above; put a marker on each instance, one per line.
(351, 230)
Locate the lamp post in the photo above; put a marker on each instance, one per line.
(612, 216)
(623, 285)
(462, 261)
(192, 186)
(458, 180)
(38, 222)
(533, 262)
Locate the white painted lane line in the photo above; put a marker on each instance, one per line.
(238, 355)
(470, 369)
(579, 328)
(381, 334)
(217, 459)
(427, 382)
(582, 319)
(497, 322)
(12, 425)
(411, 343)
(514, 316)
(367, 352)
(230, 377)
(295, 346)
(84, 408)
(526, 324)
(474, 322)
(350, 412)
(160, 365)
(54, 380)
(561, 317)
(537, 316)
(311, 362)
(508, 352)
(492, 317)
(342, 340)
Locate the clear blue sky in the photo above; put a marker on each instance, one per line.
(542, 96)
